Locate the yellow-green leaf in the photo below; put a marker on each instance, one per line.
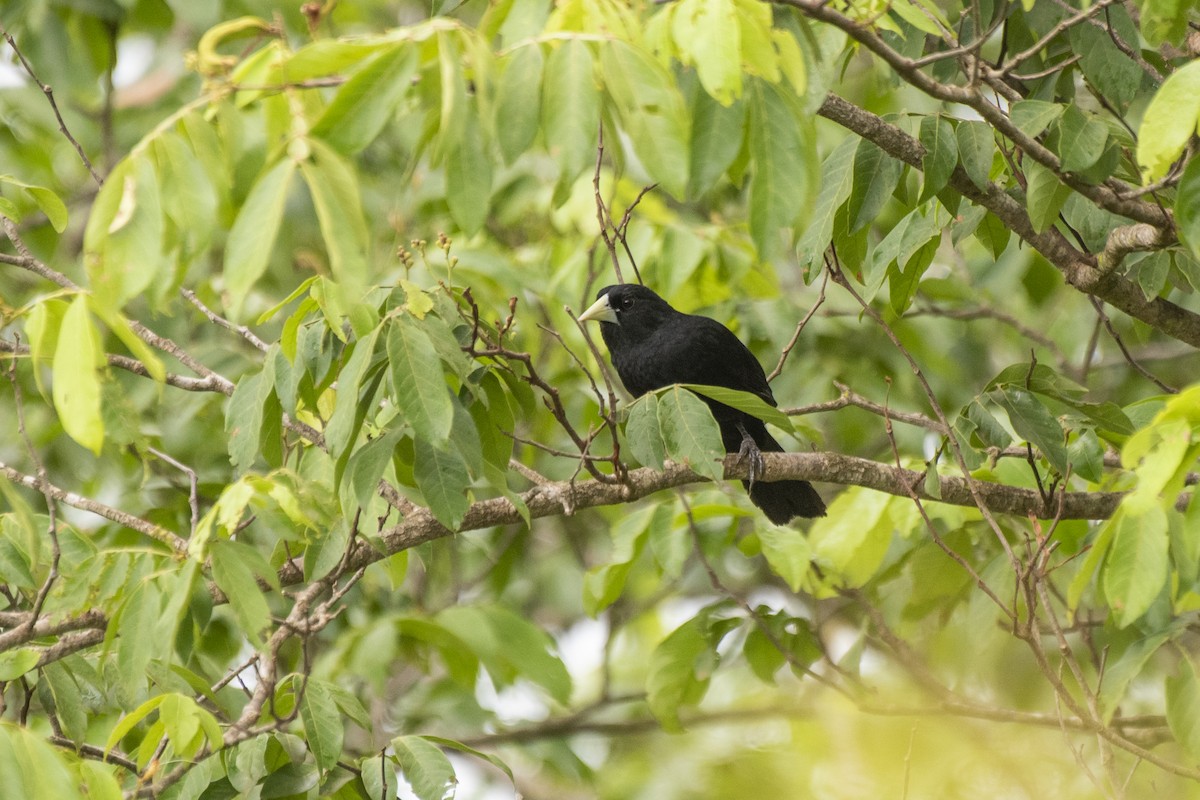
(1169, 122)
(252, 238)
(78, 365)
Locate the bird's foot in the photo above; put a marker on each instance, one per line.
(751, 455)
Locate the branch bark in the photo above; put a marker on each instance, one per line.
(549, 499)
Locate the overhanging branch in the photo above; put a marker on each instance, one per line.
(1080, 269)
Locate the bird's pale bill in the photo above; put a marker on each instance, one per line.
(601, 311)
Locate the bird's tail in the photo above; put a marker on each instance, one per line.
(782, 500)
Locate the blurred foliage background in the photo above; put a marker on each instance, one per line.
(287, 296)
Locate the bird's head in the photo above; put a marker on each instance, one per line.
(629, 308)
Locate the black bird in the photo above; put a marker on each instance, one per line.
(652, 345)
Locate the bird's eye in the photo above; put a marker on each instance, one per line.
(625, 302)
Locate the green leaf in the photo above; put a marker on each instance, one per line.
(42, 327)
(651, 112)
(118, 324)
(494, 422)
(708, 35)
(417, 380)
(1034, 116)
(642, 435)
(1136, 567)
(530, 650)
(15, 663)
(181, 722)
(333, 184)
(1169, 122)
(1046, 195)
(231, 572)
(49, 203)
(789, 556)
(1038, 378)
(1152, 271)
(378, 778)
(1112, 72)
(1121, 668)
(752, 404)
(1087, 456)
(993, 234)
(366, 467)
(1164, 21)
(1082, 139)
(469, 177)
(67, 701)
(682, 665)
(781, 146)
(31, 768)
(97, 781)
(252, 237)
(1187, 207)
(837, 179)
(424, 766)
(976, 144)
(322, 722)
(691, 434)
(78, 366)
(570, 107)
(853, 537)
(602, 585)
(902, 243)
(903, 281)
(366, 102)
(1034, 423)
(252, 417)
(190, 202)
(1183, 707)
(519, 100)
(452, 110)
(921, 15)
(462, 748)
(461, 662)
(442, 477)
(124, 235)
(941, 154)
(138, 632)
(347, 417)
(716, 138)
(875, 177)
(510, 646)
(130, 720)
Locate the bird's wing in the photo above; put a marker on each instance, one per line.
(713, 355)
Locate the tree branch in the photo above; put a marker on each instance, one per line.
(1080, 269)
(548, 499)
(156, 532)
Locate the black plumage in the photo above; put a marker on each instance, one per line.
(652, 345)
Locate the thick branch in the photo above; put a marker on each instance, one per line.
(551, 499)
(21, 632)
(1115, 199)
(1079, 269)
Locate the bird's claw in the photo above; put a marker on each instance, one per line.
(750, 455)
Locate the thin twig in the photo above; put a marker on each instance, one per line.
(46, 90)
(1112, 331)
(217, 319)
(193, 494)
(787, 350)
